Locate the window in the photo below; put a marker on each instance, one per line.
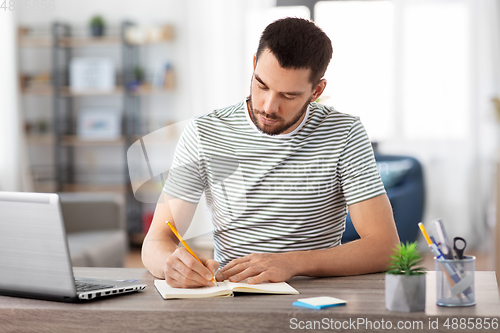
(434, 70)
(402, 67)
(360, 76)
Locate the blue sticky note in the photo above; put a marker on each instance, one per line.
(319, 303)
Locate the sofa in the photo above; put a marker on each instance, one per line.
(404, 183)
(95, 228)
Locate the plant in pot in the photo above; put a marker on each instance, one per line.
(97, 26)
(405, 280)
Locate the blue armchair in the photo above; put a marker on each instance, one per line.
(404, 183)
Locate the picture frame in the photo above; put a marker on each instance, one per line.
(92, 74)
(99, 124)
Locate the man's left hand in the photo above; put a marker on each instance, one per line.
(258, 267)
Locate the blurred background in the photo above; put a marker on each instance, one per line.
(83, 80)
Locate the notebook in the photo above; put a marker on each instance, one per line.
(34, 256)
(223, 289)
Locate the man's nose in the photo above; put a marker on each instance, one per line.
(271, 104)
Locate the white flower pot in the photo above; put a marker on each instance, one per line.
(405, 293)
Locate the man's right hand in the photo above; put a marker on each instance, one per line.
(182, 270)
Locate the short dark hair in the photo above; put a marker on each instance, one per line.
(297, 43)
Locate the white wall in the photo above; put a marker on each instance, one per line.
(8, 96)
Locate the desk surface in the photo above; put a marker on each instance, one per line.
(147, 311)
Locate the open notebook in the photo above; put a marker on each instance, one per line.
(223, 289)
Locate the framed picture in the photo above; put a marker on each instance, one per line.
(96, 74)
(99, 124)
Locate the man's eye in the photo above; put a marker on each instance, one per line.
(262, 87)
(288, 97)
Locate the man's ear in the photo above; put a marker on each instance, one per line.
(254, 61)
(320, 87)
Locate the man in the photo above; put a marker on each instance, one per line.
(300, 164)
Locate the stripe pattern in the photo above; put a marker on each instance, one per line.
(274, 193)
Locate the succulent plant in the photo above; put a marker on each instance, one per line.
(406, 260)
(97, 21)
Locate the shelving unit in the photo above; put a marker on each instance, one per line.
(63, 138)
(131, 128)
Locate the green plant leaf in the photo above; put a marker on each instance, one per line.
(406, 260)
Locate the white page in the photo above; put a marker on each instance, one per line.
(264, 287)
(169, 292)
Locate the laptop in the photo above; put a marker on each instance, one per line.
(34, 255)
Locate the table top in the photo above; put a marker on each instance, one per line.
(148, 311)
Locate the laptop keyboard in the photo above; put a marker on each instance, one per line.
(84, 286)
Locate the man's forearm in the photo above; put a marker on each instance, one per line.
(374, 222)
(361, 256)
(155, 253)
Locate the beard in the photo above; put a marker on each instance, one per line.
(281, 126)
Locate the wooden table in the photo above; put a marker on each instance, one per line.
(148, 312)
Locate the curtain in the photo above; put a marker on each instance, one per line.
(14, 169)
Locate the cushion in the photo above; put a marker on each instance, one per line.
(106, 248)
(392, 172)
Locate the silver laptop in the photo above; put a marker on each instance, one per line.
(34, 255)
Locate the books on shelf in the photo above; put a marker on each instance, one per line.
(223, 289)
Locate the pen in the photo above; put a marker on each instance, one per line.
(444, 243)
(448, 270)
(435, 251)
(186, 246)
(439, 254)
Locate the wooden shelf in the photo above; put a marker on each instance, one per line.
(67, 92)
(35, 41)
(144, 90)
(155, 42)
(70, 140)
(42, 90)
(104, 41)
(115, 188)
(150, 90)
(90, 41)
(40, 139)
(73, 140)
(48, 90)
(45, 187)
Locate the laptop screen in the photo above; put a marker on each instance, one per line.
(34, 256)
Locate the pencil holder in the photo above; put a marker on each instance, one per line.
(455, 281)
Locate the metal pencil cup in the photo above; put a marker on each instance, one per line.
(455, 281)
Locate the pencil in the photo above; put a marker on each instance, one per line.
(424, 232)
(186, 246)
(433, 248)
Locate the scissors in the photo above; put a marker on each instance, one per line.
(459, 245)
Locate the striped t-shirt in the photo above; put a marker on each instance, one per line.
(276, 193)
